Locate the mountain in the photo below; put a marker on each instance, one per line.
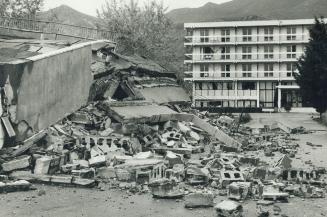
(67, 15)
(251, 10)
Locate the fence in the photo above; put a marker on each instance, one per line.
(49, 27)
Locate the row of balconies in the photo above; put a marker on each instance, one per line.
(243, 57)
(246, 39)
(226, 94)
(230, 75)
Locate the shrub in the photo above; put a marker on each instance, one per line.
(245, 118)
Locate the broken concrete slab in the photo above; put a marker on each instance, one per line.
(197, 200)
(53, 179)
(28, 143)
(16, 164)
(14, 186)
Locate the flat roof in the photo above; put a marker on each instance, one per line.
(16, 51)
(166, 94)
(251, 23)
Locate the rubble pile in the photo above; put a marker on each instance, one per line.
(128, 139)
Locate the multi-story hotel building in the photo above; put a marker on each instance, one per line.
(245, 64)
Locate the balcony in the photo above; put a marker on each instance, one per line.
(253, 39)
(238, 75)
(243, 57)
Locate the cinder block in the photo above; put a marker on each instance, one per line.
(42, 165)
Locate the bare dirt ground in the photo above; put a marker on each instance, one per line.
(71, 202)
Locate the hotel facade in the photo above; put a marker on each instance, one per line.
(245, 64)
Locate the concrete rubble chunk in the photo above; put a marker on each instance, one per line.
(97, 161)
(165, 189)
(239, 190)
(229, 208)
(197, 200)
(18, 163)
(106, 173)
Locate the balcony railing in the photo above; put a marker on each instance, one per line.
(48, 27)
(226, 94)
(232, 57)
(244, 75)
(280, 38)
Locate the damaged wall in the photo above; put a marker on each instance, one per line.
(49, 86)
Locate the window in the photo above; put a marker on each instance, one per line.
(225, 35)
(246, 52)
(204, 35)
(198, 86)
(246, 67)
(204, 68)
(214, 86)
(291, 33)
(269, 33)
(248, 86)
(215, 104)
(269, 52)
(291, 51)
(207, 53)
(290, 67)
(269, 70)
(225, 68)
(225, 53)
(188, 67)
(189, 32)
(247, 34)
(247, 74)
(225, 75)
(229, 86)
(225, 71)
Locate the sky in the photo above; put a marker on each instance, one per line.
(90, 6)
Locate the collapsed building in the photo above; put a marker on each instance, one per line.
(77, 113)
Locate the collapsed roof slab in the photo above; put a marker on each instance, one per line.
(140, 113)
(144, 112)
(167, 94)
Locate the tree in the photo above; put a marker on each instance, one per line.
(143, 30)
(20, 8)
(312, 68)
